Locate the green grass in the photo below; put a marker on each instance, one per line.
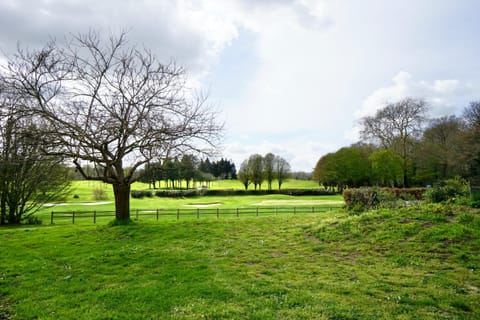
(84, 200)
(414, 263)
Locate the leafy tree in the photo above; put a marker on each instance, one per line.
(187, 168)
(386, 167)
(112, 106)
(255, 162)
(396, 127)
(245, 174)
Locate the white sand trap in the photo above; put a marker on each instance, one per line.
(77, 204)
(298, 202)
(202, 205)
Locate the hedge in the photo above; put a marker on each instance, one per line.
(229, 192)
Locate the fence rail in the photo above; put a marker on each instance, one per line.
(178, 213)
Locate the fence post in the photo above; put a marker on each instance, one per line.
(178, 214)
(294, 210)
(51, 218)
(73, 217)
(198, 213)
(157, 214)
(237, 212)
(94, 216)
(256, 212)
(218, 213)
(313, 209)
(276, 210)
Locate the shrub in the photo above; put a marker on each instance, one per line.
(361, 199)
(448, 190)
(99, 194)
(76, 196)
(140, 194)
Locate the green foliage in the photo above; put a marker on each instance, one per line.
(235, 192)
(448, 190)
(140, 194)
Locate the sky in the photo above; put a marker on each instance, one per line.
(291, 77)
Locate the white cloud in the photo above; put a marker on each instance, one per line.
(443, 96)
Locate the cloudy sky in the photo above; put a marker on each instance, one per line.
(292, 77)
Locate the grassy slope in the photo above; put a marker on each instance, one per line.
(411, 264)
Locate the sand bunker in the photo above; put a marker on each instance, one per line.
(298, 202)
(203, 205)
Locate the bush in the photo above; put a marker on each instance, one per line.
(448, 191)
(99, 194)
(361, 199)
(140, 194)
(475, 197)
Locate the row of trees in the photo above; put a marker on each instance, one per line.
(256, 169)
(102, 103)
(188, 169)
(401, 147)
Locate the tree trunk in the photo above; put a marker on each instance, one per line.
(122, 201)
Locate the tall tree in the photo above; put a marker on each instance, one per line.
(269, 167)
(281, 170)
(471, 116)
(396, 127)
(111, 105)
(437, 157)
(386, 167)
(245, 174)
(255, 162)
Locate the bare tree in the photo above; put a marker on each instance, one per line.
(245, 174)
(28, 178)
(113, 106)
(268, 168)
(396, 127)
(281, 170)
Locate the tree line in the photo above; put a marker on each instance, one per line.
(187, 168)
(400, 146)
(258, 169)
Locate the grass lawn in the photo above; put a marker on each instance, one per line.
(414, 263)
(85, 201)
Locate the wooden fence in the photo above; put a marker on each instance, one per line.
(156, 214)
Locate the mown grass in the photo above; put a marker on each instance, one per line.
(413, 263)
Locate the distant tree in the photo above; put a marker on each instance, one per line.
(325, 171)
(440, 150)
(187, 168)
(255, 162)
(112, 106)
(281, 170)
(245, 174)
(269, 168)
(386, 167)
(471, 116)
(396, 127)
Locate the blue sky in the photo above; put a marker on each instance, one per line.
(292, 77)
